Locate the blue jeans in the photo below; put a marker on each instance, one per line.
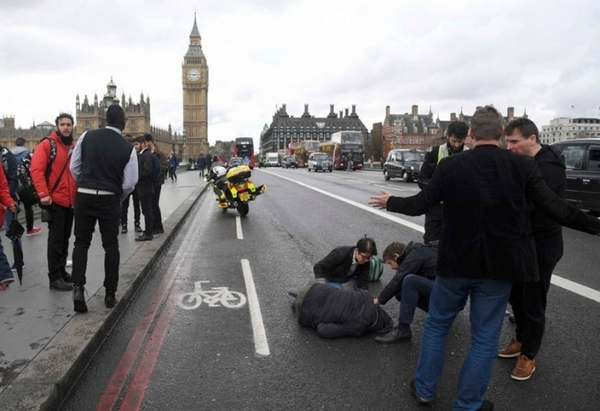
(416, 291)
(488, 304)
(338, 284)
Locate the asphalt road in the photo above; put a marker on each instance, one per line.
(246, 352)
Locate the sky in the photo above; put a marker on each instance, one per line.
(442, 55)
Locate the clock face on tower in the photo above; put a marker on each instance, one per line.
(193, 74)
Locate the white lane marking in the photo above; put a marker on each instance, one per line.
(576, 288)
(238, 227)
(365, 207)
(260, 336)
(568, 285)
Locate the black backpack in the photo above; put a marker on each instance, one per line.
(26, 191)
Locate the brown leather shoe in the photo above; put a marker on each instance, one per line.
(512, 350)
(524, 368)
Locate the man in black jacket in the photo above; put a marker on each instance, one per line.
(337, 313)
(348, 263)
(528, 298)
(415, 265)
(456, 134)
(486, 243)
(145, 186)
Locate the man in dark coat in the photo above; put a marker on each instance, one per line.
(415, 265)
(337, 313)
(528, 298)
(486, 243)
(348, 263)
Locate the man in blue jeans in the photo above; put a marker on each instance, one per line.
(415, 266)
(485, 244)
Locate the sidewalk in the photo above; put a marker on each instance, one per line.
(43, 345)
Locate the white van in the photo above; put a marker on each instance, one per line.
(272, 160)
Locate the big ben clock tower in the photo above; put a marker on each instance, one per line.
(194, 78)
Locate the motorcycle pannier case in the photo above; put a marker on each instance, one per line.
(238, 174)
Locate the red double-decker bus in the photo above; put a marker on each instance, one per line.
(244, 148)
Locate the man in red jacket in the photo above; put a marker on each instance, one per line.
(6, 275)
(56, 188)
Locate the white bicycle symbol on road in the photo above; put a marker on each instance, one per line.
(213, 297)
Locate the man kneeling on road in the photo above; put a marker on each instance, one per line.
(415, 266)
(337, 313)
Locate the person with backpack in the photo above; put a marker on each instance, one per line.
(56, 189)
(105, 168)
(20, 152)
(145, 185)
(159, 181)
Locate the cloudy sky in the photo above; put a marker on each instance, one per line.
(543, 57)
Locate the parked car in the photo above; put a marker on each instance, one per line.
(289, 162)
(582, 159)
(319, 161)
(403, 163)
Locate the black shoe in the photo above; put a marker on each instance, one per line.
(158, 231)
(60, 285)
(137, 228)
(413, 391)
(67, 278)
(79, 304)
(144, 237)
(109, 299)
(486, 406)
(393, 336)
(293, 292)
(123, 228)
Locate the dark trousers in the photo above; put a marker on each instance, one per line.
(145, 195)
(156, 214)
(528, 298)
(136, 208)
(59, 232)
(415, 293)
(104, 209)
(28, 217)
(433, 224)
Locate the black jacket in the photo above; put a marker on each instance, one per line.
(419, 259)
(336, 264)
(145, 169)
(339, 313)
(552, 168)
(485, 231)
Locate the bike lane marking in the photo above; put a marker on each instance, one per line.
(261, 344)
(556, 280)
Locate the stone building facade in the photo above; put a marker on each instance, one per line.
(285, 129)
(565, 128)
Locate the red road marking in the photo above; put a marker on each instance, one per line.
(115, 385)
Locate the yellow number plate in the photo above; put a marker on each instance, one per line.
(244, 196)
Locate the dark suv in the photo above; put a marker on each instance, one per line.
(289, 162)
(403, 163)
(582, 158)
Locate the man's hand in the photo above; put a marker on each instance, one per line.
(46, 201)
(380, 201)
(376, 301)
(13, 208)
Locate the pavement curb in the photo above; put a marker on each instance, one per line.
(48, 378)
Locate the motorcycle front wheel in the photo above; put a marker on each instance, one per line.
(243, 208)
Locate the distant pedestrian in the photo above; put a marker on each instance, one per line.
(145, 186)
(201, 164)
(20, 151)
(209, 161)
(173, 163)
(56, 189)
(105, 168)
(6, 275)
(162, 158)
(371, 160)
(133, 196)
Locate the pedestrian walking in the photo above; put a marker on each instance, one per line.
(173, 163)
(485, 245)
(105, 168)
(201, 164)
(56, 189)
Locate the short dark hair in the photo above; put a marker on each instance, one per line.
(367, 245)
(487, 124)
(20, 142)
(64, 115)
(128, 137)
(458, 129)
(115, 115)
(139, 139)
(394, 248)
(148, 137)
(525, 126)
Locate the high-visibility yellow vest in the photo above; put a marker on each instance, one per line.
(443, 152)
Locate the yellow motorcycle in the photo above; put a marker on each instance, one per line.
(233, 187)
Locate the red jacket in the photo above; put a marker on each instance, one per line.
(64, 194)
(5, 197)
